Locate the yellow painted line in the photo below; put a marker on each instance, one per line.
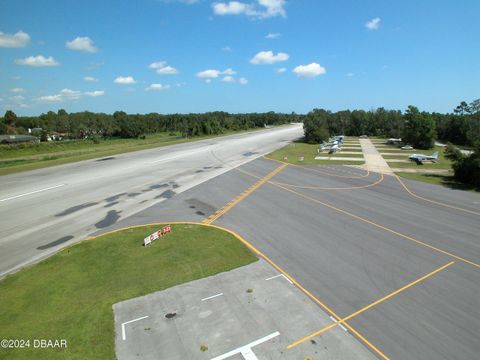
(320, 171)
(379, 226)
(433, 201)
(243, 195)
(331, 188)
(358, 312)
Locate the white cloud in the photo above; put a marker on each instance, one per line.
(231, 8)
(208, 81)
(162, 68)
(212, 74)
(90, 79)
(17, 90)
(17, 40)
(69, 94)
(309, 71)
(267, 57)
(124, 80)
(228, 79)
(157, 65)
(280, 70)
(349, 74)
(227, 49)
(229, 71)
(167, 70)
(95, 93)
(18, 98)
(37, 61)
(157, 87)
(272, 35)
(243, 81)
(373, 24)
(81, 43)
(260, 9)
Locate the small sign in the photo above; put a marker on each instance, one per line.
(285, 158)
(301, 158)
(152, 237)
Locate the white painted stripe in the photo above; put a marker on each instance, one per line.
(286, 278)
(32, 192)
(247, 349)
(341, 325)
(211, 297)
(124, 337)
(273, 277)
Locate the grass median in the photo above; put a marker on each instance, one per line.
(70, 295)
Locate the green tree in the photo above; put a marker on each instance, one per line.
(419, 129)
(10, 118)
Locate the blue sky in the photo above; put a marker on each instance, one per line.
(181, 56)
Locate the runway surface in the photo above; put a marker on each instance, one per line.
(44, 210)
(352, 238)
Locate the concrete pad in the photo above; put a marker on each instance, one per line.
(373, 159)
(339, 158)
(222, 313)
(351, 152)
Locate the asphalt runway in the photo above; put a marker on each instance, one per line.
(352, 238)
(44, 210)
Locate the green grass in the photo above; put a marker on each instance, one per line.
(438, 179)
(25, 157)
(70, 295)
(297, 149)
(442, 163)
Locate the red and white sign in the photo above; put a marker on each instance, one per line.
(152, 237)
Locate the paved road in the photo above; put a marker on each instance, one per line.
(44, 210)
(349, 263)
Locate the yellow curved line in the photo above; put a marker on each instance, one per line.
(433, 201)
(332, 188)
(266, 258)
(321, 171)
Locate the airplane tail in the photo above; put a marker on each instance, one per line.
(435, 155)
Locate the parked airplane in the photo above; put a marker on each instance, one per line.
(420, 158)
(334, 149)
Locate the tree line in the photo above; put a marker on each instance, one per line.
(120, 124)
(418, 128)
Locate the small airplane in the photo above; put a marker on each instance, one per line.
(334, 149)
(420, 158)
(407, 147)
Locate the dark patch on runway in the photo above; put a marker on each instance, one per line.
(249, 153)
(199, 171)
(111, 204)
(110, 219)
(105, 159)
(207, 167)
(146, 190)
(114, 197)
(218, 167)
(175, 186)
(168, 194)
(76, 208)
(143, 201)
(133, 194)
(201, 207)
(158, 186)
(55, 243)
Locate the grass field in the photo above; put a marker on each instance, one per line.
(24, 157)
(438, 179)
(298, 149)
(70, 295)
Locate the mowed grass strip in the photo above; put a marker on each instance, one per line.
(70, 295)
(297, 149)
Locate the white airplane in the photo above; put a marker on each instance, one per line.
(334, 149)
(420, 158)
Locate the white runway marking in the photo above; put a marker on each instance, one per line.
(335, 321)
(246, 350)
(124, 337)
(280, 275)
(211, 297)
(32, 192)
